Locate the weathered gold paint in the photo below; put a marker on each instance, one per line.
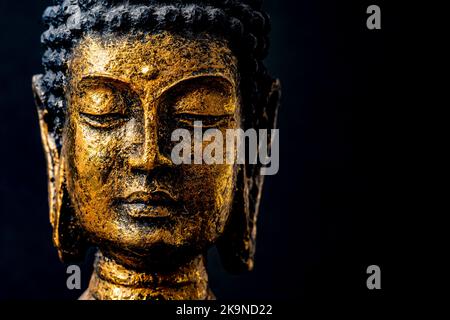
(151, 220)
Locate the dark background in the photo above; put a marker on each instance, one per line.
(326, 216)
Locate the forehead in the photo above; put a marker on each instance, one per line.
(155, 60)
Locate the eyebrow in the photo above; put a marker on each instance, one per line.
(220, 80)
(98, 79)
(104, 79)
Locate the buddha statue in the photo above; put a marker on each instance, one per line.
(119, 77)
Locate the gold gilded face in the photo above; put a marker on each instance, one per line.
(126, 96)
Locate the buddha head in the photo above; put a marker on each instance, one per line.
(120, 77)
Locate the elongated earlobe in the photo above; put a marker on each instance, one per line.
(48, 141)
(67, 235)
(237, 245)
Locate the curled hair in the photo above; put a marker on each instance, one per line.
(242, 23)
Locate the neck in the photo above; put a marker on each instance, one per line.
(112, 281)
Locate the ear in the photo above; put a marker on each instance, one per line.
(237, 245)
(269, 121)
(273, 105)
(67, 235)
(48, 141)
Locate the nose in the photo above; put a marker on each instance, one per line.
(146, 156)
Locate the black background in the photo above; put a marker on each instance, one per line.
(327, 214)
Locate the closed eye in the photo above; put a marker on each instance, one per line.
(108, 120)
(207, 121)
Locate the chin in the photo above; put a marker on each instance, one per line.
(159, 255)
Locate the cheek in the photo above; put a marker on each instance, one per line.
(94, 155)
(208, 193)
(94, 159)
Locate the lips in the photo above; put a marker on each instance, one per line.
(141, 204)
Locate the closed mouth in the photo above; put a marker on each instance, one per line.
(156, 204)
